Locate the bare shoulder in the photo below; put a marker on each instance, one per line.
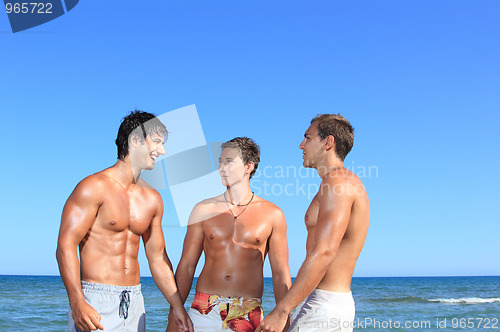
(207, 205)
(266, 205)
(95, 180)
(271, 210)
(93, 186)
(207, 209)
(341, 182)
(149, 192)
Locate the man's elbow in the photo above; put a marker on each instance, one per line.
(156, 257)
(59, 254)
(325, 254)
(187, 267)
(283, 273)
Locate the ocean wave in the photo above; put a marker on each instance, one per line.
(468, 300)
(405, 299)
(416, 299)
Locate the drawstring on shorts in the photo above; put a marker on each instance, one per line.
(124, 304)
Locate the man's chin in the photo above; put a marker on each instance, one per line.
(306, 164)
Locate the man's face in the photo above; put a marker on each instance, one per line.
(231, 167)
(150, 149)
(312, 146)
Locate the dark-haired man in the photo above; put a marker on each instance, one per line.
(235, 230)
(106, 216)
(337, 222)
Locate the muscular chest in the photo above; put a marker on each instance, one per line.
(311, 216)
(124, 210)
(247, 231)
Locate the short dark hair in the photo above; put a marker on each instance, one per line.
(248, 149)
(137, 123)
(337, 126)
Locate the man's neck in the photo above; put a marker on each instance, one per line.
(125, 173)
(239, 193)
(329, 165)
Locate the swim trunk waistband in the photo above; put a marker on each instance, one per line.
(217, 299)
(235, 313)
(333, 297)
(94, 287)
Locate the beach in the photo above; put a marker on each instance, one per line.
(382, 304)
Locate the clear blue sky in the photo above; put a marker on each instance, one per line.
(419, 81)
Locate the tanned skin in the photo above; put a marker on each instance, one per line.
(105, 218)
(337, 223)
(234, 250)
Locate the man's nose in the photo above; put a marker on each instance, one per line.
(161, 149)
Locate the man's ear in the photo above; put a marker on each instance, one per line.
(329, 142)
(249, 167)
(135, 141)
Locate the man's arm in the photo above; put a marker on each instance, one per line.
(191, 252)
(278, 257)
(78, 215)
(333, 219)
(161, 268)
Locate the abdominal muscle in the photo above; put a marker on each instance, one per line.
(232, 271)
(110, 257)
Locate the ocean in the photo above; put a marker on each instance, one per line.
(39, 303)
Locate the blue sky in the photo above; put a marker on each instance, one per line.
(419, 81)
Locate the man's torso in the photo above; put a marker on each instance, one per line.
(339, 274)
(108, 253)
(235, 250)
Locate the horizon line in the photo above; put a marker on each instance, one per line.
(293, 277)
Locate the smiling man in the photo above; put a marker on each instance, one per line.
(105, 217)
(337, 223)
(236, 230)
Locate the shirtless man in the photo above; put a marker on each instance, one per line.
(235, 230)
(105, 216)
(337, 222)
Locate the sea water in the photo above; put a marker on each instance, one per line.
(40, 303)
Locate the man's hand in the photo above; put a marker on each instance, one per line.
(274, 322)
(182, 320)
(172, 325)
(85, 317)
